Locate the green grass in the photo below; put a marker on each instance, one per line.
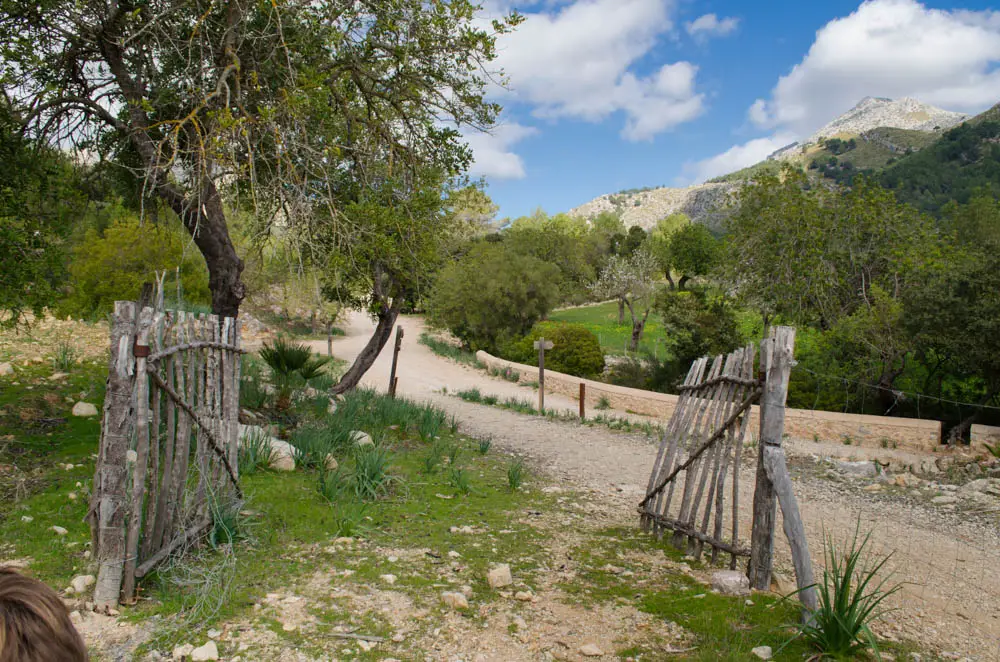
(449, 351)
(602, 320)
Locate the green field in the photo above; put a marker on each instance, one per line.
(602, 320)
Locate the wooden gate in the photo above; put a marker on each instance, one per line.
(168, 455)
(701, 447)
(703, 444)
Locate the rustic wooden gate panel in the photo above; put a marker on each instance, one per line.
(701, 446)
(169, 445)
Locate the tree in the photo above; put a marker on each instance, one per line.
(292, 110)
(694, 251)
(694, 325)
(634, 239)
(659, 242)
(492, 295)
(630, 281)
(561, 240)
(38, 201)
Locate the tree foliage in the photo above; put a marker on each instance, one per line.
(492, 295)
(575, 351)
(630, 280)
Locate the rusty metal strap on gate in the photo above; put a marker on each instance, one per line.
(744, 406)
(180, 402)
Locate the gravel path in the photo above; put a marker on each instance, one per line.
(949, 563)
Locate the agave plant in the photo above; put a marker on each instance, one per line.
(851, 597)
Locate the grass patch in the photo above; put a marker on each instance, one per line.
(602, 320)
(449, 351)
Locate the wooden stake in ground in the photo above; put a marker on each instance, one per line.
(395, 358)
(541, 345)
(583, 400)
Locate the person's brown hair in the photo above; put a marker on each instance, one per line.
(34, 623)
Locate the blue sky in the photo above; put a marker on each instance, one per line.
(613, 94)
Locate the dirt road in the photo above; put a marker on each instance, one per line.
(948, 564)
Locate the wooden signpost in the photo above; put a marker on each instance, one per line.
(395, 357)
(541, 345)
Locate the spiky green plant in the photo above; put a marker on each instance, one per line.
(434, 456)
(371, 472)
(453, 452)
(851, 596)
(459, 479)
(292, 364)
(484, 445)
(65, 357)
(515, 474)
(254, 452)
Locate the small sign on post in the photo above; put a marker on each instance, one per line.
(395, 357)
(541, 345)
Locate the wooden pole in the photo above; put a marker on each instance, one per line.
(776, 359)
(583, 401)
(395, 357)
(329, 338)
(541, 345)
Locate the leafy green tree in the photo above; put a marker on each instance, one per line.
(635, 238)
(38, 202)
(115, 265)
(575, 351)
(492, 295)
(295, 111)
(694, 325)
(694, 251)
(659, 242)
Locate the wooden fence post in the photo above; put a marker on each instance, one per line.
(395, 357)
(541, 345)
(773, 482)
(583, 400)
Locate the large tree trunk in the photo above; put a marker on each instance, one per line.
(386, 320)
(670, 279)
(621, 311)
(638, 327)
(682, 282)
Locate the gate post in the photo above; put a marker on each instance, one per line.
(776, 364)
(395, 357)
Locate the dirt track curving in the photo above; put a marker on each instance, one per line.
(951, 596)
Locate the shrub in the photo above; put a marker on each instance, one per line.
(292, 365)
(576, 350)
(113, 265)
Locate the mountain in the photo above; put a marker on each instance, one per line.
(644, 207)
(874, 134)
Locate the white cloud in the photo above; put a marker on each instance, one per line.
(711, 25)
(576, 61)
(492, 151)
(736, 157)
(889, 48)
(886, 48)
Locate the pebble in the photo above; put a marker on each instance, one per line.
(27, 518)
(84, 409)
(590, 650)
(454, 600)
(524, 596)
(180, 652)
(763, 652)
(81, 583)
(59, 531)
(388, 579)
(204, 653)
(499, 576)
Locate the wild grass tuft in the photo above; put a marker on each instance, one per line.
(603, 403)
(447, 350)
(470, 395)
(253, 394)
(434, 456)
(65, 357)
(850, 599)
(371, 473)
(254, 452)
(453, 454)
(459, 479)
(515, 474)
(484, 445)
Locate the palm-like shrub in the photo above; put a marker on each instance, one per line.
(850, 599)
(291, 364)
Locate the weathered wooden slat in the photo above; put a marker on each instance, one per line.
(685, 529)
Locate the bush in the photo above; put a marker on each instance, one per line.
(113, 265)
(492, 294)
(576, 350)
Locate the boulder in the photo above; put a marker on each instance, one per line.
(84, 409)
(782, 584)
(331, 463)
(81, 583)
(204, 653)
(332, 407)
(455, 600)
(282, 455)
(180, 652)
(362, 438)
(730, 582)
(499, 576)
(6, 370)
(944, 499)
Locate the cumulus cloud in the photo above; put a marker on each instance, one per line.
(736, 157)
(886, 48)
(577, 61)
(889, 48)
(710, 25)
(492, 152)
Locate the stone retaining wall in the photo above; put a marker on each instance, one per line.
(859, 429)
(980, 435)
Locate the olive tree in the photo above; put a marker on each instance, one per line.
(294, 111)
(630, 280)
